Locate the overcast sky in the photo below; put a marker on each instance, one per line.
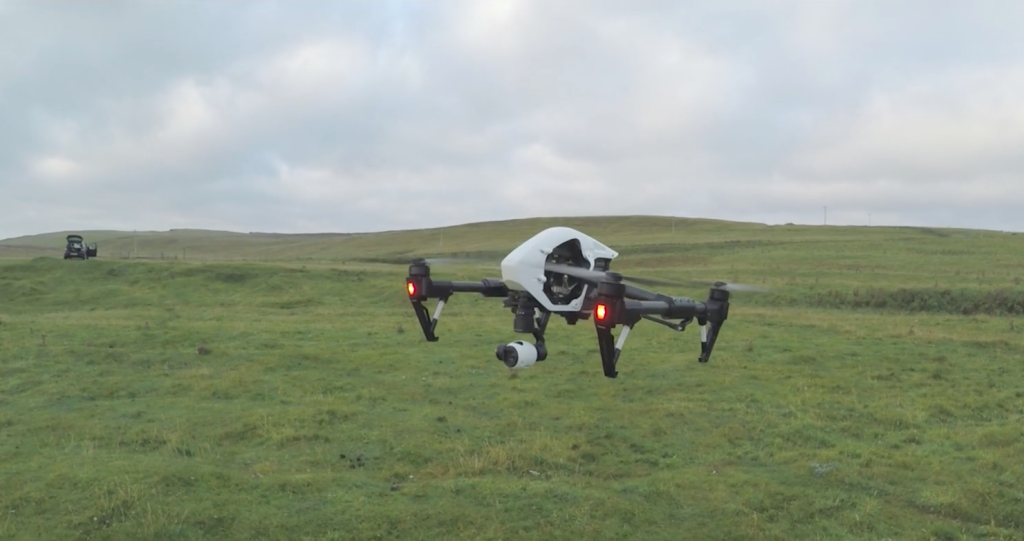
(369, 115)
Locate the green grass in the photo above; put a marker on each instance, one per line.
(320, 412)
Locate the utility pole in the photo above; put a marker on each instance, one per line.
(135, 237)
(825, 222)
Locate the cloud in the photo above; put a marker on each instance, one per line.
(964, 125)
(308, 116)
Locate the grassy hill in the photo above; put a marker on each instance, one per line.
(872, 392)
(475, 237)
(488, 237)
(829, 263)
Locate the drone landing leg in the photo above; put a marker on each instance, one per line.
(622, 341)
(437, 312)
(708, 335)
(610, 348)
(428, 323)
(609, 353)
(424, 318)
(703, 340)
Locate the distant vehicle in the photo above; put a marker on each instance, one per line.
(77, 248)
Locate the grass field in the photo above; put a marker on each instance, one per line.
(876, 391)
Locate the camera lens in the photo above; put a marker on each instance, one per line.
(507, 354)
(511, 356)
(524, 320)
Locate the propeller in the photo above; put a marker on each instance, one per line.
(596, 277)
(480, 262)
(728, 286)
(732, 287)
(593, 276)
(740, 287)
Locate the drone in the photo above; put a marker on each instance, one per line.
(564, 272)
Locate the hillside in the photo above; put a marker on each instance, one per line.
(472, 237)
(176, 243)
(786, 257)
(478, 238)
(872, 392)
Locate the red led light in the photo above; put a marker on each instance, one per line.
(602, 312)
(412, 289)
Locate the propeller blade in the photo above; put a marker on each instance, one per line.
(597, 277)
(652, 281)
(478, 262)
(593, 276)
(728, 286)
(744, 287)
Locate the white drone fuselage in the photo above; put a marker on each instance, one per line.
(524, 268)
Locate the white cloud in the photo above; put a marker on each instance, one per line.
(55, 169)
(311, 73)
(195, 120)
(960, 125)
(379, 115)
